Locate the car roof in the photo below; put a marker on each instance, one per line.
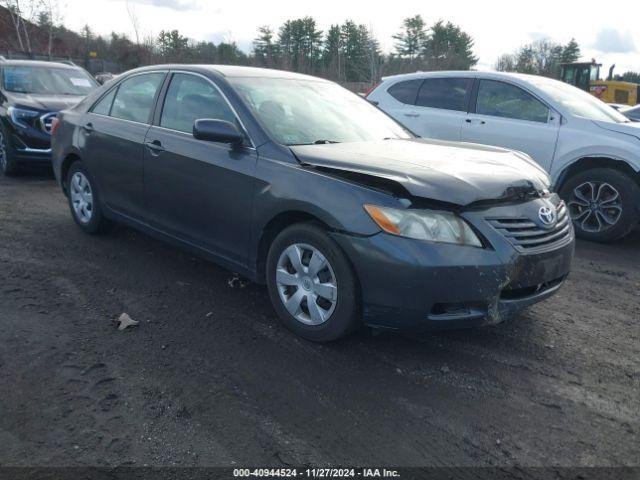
(233, 71)
(37, 63)
(522, 77)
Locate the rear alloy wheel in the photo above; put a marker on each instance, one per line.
(84, 200)
(81, 197)
(311, 284)
(7, 163)
(603, 204)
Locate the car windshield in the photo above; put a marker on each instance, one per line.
(301, 112)
(580, 103)
(46, 81)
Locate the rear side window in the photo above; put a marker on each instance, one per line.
(103, 107)
(500, 99)
(190, 98)
(134, 99)
(445, 93)
(406, 91)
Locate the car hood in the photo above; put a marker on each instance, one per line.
(49, 103)
(451, 172)
(631, 128)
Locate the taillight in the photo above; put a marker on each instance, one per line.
(55, 121)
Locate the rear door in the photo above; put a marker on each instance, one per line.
(440, 108)
(198, 191)
(507, 116)
(395, 99)
(114, 133)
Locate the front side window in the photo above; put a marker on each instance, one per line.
(500, 99)
(405, 92)
(297, 111)
(445, 93)
(47, 81)
(134, 98)
(190, 98)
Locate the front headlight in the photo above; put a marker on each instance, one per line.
(434, 226)
(21, 116)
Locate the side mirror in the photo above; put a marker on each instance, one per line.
(217, 131)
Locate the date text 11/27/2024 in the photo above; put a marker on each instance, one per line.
(316, 472)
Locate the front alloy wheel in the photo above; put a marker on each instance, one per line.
(603, 203)
(307, 284)
(312, 285)
(7, 164)
(595, 206)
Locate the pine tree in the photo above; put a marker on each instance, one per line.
(447, 47)
(570, 52)
(411, 38)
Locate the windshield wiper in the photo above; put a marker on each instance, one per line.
(317, 142)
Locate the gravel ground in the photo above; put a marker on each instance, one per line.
(209, 377)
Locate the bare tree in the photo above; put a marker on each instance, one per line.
(13, 7)
(23, 13)
(135, 22)
(49, 17)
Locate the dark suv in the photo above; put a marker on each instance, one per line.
(293, 181)
(31, 95)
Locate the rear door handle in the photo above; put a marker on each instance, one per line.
(411, 114)
(88, 127)
(481, 122)
(155, 146)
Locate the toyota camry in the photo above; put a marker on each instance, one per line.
(295, 182)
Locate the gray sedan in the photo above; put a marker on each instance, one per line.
(295, 182)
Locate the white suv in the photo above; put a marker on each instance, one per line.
(591, 152)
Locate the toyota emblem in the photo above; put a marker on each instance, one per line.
(547, 216)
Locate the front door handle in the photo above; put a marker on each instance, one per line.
(468, 120)
(411, 114)
(155, 146)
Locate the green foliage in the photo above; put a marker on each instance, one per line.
(410, 40)
(542, 57)
(633, 77)
(447, 47)
(570, 52)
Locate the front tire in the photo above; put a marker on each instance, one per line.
(84, 200)
(311, 284)
(603, 204)
(8, 164)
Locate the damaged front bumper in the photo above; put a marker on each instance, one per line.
(411, 284)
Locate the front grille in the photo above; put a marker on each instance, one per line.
(525, 235)
(46, 120)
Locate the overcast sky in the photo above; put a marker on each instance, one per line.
(611, 35)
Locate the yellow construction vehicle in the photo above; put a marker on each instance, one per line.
(586, 75)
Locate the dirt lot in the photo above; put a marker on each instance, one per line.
(209, 377)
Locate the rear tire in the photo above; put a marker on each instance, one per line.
(84, 200)
(603, 204)
(311, 284)
(8, 164)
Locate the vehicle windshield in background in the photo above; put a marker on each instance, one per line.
(47, 81)
(580, 103)
(299, 112)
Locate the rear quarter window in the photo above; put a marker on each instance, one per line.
(405, 92)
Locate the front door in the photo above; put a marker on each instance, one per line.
(507, 116)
